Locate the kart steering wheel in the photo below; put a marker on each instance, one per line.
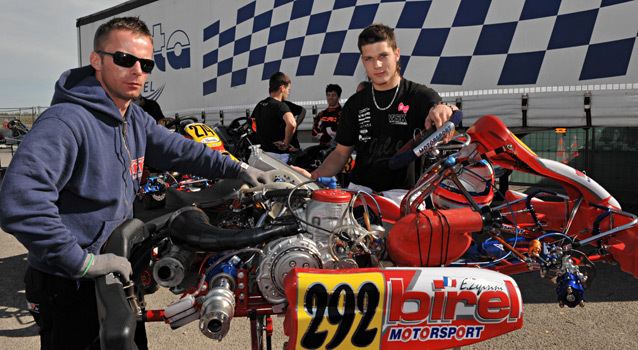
(239, 126)
(178, 121)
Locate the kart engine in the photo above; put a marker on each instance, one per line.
(327, 236)
(331, 240)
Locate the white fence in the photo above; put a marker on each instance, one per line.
(27, 115)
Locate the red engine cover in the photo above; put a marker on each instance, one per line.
(432, 237)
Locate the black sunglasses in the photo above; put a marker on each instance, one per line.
(127, 60)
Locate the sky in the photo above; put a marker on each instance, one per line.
(38, 43)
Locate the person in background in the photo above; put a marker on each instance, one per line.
(299, 113)
(324, 127)
(149, 106)
(362, 85)
(63, 198)
(379, 119)
(273, 122)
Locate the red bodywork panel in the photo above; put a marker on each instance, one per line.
(399, 308)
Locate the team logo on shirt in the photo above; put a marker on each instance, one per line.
(397, 119)
(364, 124)
(137, 167)
(364, 118)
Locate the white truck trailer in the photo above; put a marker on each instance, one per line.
(569, 63)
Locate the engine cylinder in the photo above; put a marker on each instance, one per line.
(326, 210)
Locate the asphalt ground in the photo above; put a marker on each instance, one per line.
(608, 321)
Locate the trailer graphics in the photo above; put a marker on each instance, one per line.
(484, 55)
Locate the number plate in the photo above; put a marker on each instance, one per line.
(340, 310)
(399, 308)
(203, 133)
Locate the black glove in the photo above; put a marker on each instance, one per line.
(100, 265)
(253, 176)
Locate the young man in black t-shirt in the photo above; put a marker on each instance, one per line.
(149, 106)
(299, 113)
(382, 117)
(273, 122)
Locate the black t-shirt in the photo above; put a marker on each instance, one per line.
(268, 120)
(296, 110)
(378, 134)
(326, 123)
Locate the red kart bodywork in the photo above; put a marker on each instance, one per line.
(407, 308)
(438, 237)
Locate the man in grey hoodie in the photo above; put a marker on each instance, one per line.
(75, 175)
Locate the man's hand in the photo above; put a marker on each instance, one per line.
(99, 265)
(439, 115)
(253, 176)
(282, 146)
(301, 171)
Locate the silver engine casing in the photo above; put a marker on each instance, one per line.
(281, 256)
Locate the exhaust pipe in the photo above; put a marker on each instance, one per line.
(218, 308)
(190, 226)
(171, 269)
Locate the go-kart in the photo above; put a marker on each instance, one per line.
(156, 184)
(350, 269)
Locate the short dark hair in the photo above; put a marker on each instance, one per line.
(375, 33)
(133, 24)
(334, 87)
(278, 79)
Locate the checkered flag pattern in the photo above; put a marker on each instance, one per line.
(449, 43)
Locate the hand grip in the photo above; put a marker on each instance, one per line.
(424, 142)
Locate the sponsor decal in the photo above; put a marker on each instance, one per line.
(137, 167)
(425, 147)
(364, 118)
(413, 308)
(422, 334)
(397, 119)
(365, 138)
(581, 174)
(210, 140)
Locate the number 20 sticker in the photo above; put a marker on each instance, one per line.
(343, 311)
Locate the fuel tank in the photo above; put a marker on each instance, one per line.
(433, 237)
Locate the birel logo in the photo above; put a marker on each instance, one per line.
(419, 315)
(175, 51)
